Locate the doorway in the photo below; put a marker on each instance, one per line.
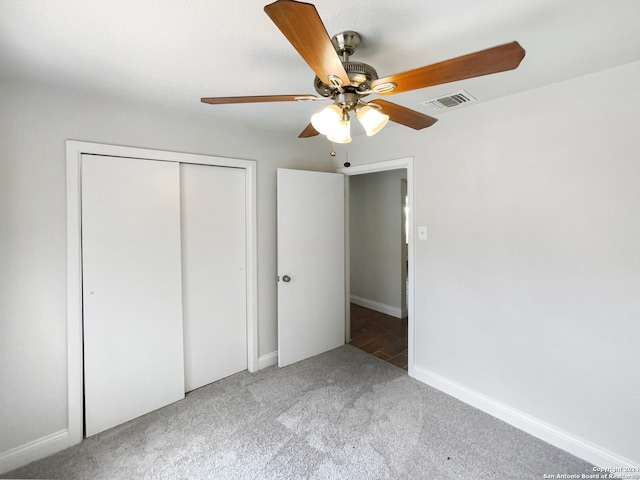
(380, 335)
(382, 325)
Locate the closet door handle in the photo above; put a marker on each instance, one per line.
(286, 278)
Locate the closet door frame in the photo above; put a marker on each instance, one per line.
(75, 149)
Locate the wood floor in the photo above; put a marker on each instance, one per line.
(380, 335)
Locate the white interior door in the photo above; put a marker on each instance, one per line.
(311, 268)
(133, 346)
(214, 282)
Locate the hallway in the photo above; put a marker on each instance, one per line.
(381, 335)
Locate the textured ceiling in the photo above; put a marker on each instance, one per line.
(173, 53)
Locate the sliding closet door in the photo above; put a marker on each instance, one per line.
(213, 273)
(133, 345)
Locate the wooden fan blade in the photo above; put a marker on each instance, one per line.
(404, 116)
(309, 131)
(257, 99)
(302, 26)
(492, 60)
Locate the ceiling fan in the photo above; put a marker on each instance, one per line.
(346, 83)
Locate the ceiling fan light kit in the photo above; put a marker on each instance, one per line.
(327, 119)
(346, 83)
(371, 119)
(333, 121)
(341, 133)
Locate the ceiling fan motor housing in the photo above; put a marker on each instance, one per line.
(360, 74)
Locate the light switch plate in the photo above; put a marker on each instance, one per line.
(422, 233)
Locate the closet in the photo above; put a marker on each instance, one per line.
(163, 282)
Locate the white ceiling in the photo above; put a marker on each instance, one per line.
(175, 52)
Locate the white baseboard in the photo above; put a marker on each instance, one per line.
(379, 307)
(584, 449)
(267, 360)
(35, 450)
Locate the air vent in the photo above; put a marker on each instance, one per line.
(449, 101)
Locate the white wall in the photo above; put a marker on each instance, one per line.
(527, 291)
(376, 241)
(35, 121)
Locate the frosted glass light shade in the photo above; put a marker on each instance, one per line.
(326, 120)
(341, 133)
(371, 119)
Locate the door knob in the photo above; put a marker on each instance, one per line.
(286, 278)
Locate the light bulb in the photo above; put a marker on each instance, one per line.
(342, 132)
(371, 119)
(326, 120)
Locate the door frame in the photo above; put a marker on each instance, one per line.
(401, 163)
(74, 151)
